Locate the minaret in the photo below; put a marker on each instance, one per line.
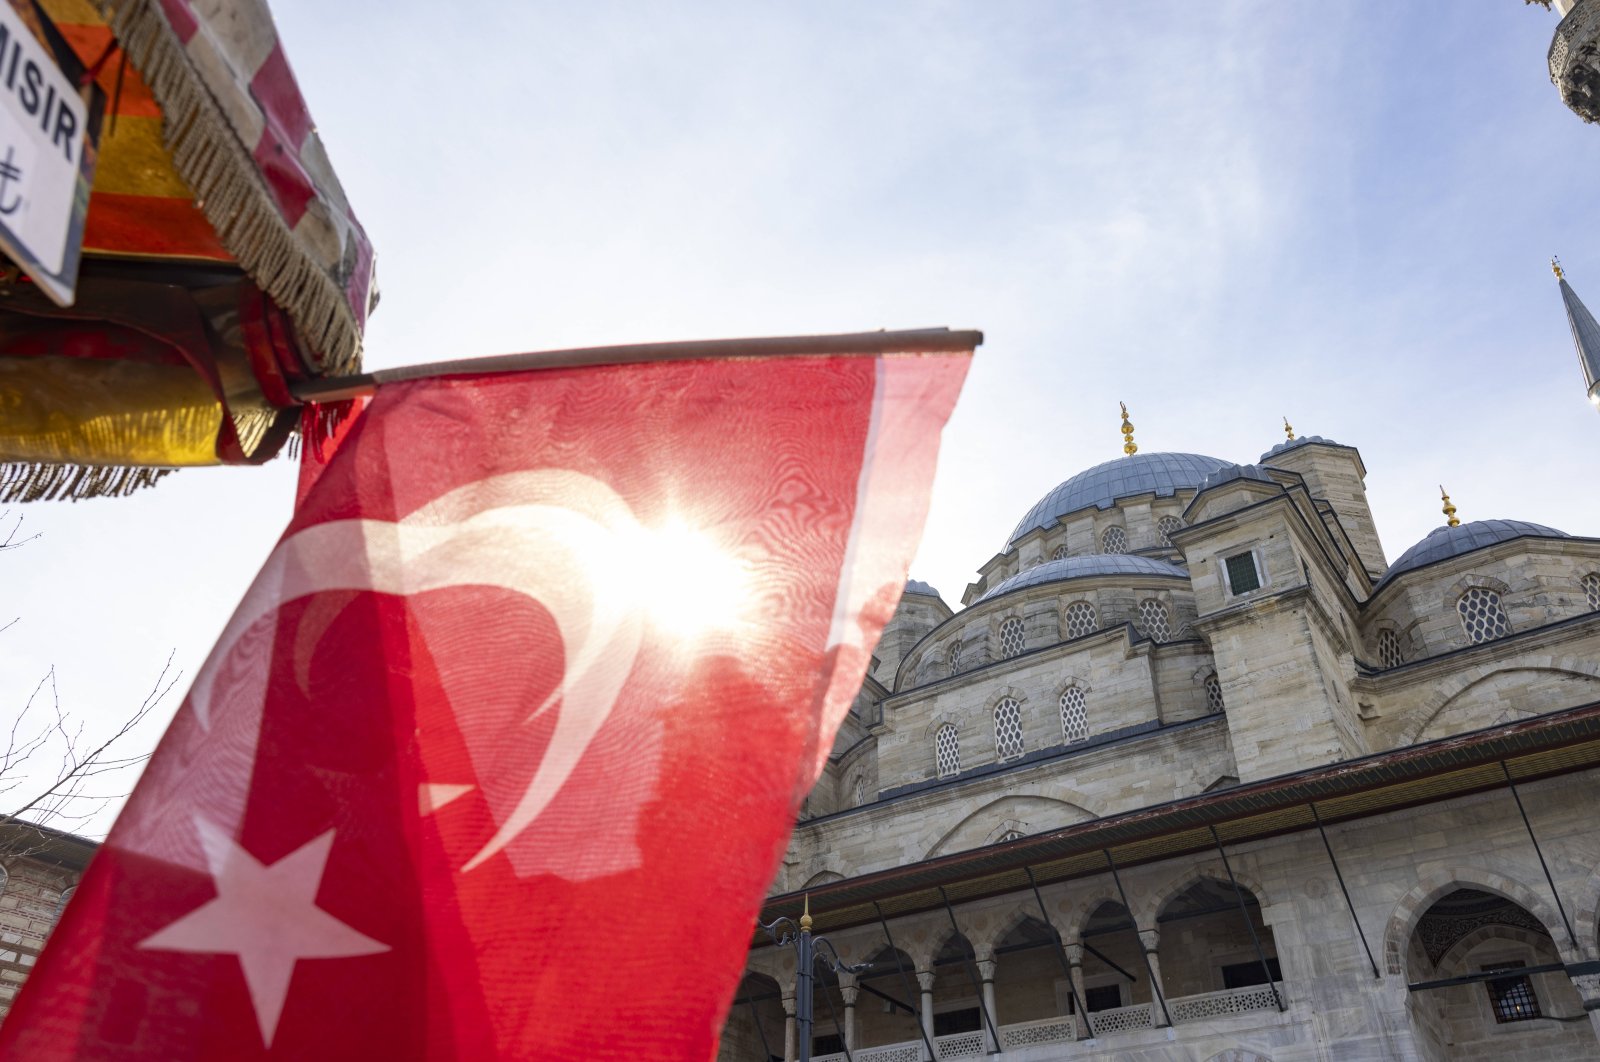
(1574, 66)
(1585, 333)
(1129, 447)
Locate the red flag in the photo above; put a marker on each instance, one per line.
(501, 749)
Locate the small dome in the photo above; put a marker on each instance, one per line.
(1290, 444)
(1445, 542)
(917, 586)
(1124, 477)
(1232, 472)
(1084, 567)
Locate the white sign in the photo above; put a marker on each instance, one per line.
(45, 127)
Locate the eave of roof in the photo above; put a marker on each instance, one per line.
(1450, 767)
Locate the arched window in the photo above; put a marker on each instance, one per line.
(1059, 552)
(952, 657)
(1166, 526)
(1389, 654)
(1153, 618)
(1008, 729)
(1213, 695)
(947, 751)
(1591, 590)
(861, 791)
(1074, 715)
(1482, 616)
(1080, 619)
(1010, 637)
(1114, 540)
(1010, 835)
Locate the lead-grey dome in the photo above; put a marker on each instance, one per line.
(1445, 542)
(1124, 477)
(1056, 571)
(1303, 440)
(917, 586)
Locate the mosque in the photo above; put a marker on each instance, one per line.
(1195, 771)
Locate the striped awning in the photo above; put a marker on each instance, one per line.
(1553, 744)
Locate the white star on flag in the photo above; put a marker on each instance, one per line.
(265, 915)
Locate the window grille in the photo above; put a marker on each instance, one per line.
(1059, 552)
(861, 791)
(1011, 835)
(1080, 619)
(1482, 616)
(1153, 618)
(1010, 637)
(1389, 654)
(1242, 574)
(953, 658)
(1511, 997)
(1166, 526)
(1008, 730)
(947, 751)
(1074, 715)
(1591, 590)
(1213, 695)
(1115, 540)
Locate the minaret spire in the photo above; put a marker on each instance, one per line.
(1288, 429)
(1585, 332)
(1129, 447)
(1449, 509)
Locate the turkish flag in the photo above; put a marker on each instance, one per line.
(499, 754)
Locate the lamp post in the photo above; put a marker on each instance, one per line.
(809, 950)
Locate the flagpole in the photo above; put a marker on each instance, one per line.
(913, 341)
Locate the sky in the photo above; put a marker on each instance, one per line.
(1221, 214)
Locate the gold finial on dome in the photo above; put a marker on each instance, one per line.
(1128, 445)
(1449, 509)
(805, 916)
(1555, 267)
(1288, 429)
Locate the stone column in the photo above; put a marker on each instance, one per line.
(986, 968)
(1588, 986)
(848, 989)
(791, 1050)
(1075, 962)
(1150, 940)
(925, 982)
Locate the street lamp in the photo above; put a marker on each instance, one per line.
(786, 932)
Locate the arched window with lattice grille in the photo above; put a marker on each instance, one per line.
(1059, 552)
(1074, 715)
(1010, 637)
(1008, 729)
(1080, 619)
(952, 657)
(861, 791)
(1154, 620)
(1114, 540)
(947, 751)
(1165, 528)
(1591, 590)
(1213, 695)
(1483, 618)
(1389, 651)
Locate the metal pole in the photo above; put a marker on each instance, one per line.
(1238, 894)
(1149, 972)
(834, 1011)
(915, 341)
(972, 971)
(1573, 937)
(1364, 946)
(921, 1031)
(802, 988)
(1061, 950)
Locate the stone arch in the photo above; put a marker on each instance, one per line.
(1072, 928)
(1466, 582)
(1188, 877)
(822, 877)
(1448, 689)
(1586, 915)
(1001, 694)
(1004, 921)
(1414, 904)
(1068, 680)
(1013, 809)
(1464, 946)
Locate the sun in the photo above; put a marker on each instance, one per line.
(684, 582)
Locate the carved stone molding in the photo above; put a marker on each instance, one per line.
(1575, 59)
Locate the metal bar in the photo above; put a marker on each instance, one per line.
(1155, 986)
(972, 971)
(1487, 975)
(1061, 950)
(886, 997)
(1359, 931)
(834, 1011)
(1103, 957)
(755, 1016)
(804, 996)
(921, 1029)
(916, 341)
(1571, 936)
(1244, 913)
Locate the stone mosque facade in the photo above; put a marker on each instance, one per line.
(1195, 771)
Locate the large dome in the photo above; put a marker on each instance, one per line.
(1065, 568)
(1125, 477)
(1446, 542)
